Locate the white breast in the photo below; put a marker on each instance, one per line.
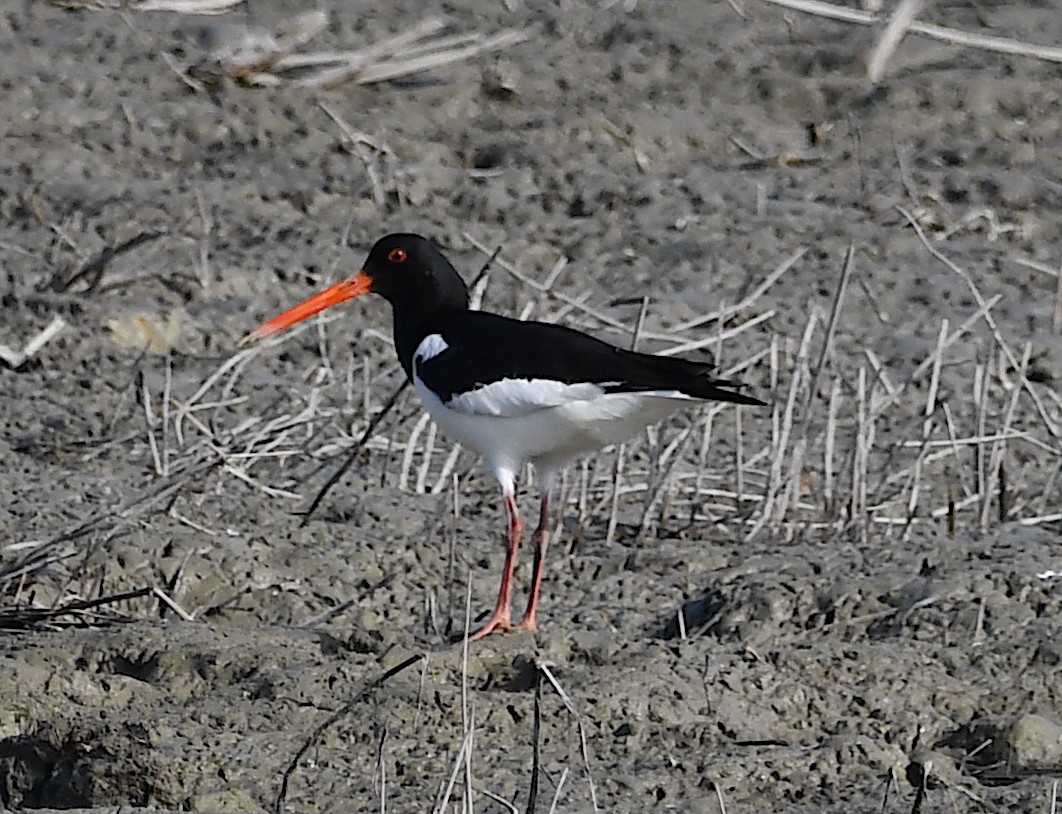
(545, 422)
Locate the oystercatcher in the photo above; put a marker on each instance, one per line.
(515, 392)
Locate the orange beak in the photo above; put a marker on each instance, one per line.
(356, 286)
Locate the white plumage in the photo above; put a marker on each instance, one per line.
(546, 422)
(430, 347)
(513, 398)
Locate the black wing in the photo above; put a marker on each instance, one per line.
(485, 348)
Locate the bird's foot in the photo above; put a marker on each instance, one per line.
(527, 624)
(498, 623)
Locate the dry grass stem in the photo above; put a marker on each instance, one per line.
(719, 798)
(899, 23)
(81, 611)
(879, 371)
(410, 449)
(780, 439)
(425, 464)
(928, 363)
(597, 314)
(1056, 313)
(459, 761)
(827, 341)
(203, 7)
(723, 314)
(369, 150)
(262, 57)
(331, 720)
(1056, 273)
(979, 298)
(697, 344)
(172, 605)
(544, 669)
(829, 449)
(17, 358)
(860, 460)
(995, 463)
(500, 800)
(557, 791)
(1000, 45)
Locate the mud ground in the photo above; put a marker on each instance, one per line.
(895, 660)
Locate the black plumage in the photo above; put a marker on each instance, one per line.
(484, 348)
(428, 296)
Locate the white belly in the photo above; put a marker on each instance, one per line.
(552, 436)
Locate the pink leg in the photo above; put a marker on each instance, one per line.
(500, 620)
(541, 541)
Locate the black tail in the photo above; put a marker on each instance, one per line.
(692, 378)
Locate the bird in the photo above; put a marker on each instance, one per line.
(514, 391)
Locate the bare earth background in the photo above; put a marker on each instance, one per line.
(781, 614)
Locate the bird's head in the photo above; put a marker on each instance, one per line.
(405, 269)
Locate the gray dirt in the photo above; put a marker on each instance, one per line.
(829, 663)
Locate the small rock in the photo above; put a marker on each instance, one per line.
(1021, 742)
(500, 81)
(1034, 742)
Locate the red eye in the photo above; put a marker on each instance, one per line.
(397, 255)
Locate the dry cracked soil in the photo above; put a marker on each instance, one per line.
(848, 601)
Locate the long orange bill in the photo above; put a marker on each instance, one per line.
(356, 286)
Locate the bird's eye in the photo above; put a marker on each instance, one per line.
(397, 255)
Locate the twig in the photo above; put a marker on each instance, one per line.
(334, 478)
(725, 313)
(381, 769)
(268, 58)
(20, 618)
(719, 797)
(419, 63)
(557, 791)
(995, 464)
(39, 552)
(204, 7)
(544, 669)
(462, 757)
(780, 439)
(1056, 320)
(860, 459)
(890, 39)
(828, 499)
(425, 463)
(927, 363)
(827, 340)
(16, 359)
(697, 344)
(359, 141)
(1052, 428)
(1000, 45)
(172, 604)
(93, 269)
(498, 799)
(536, 746)
(411, 449)
(331, 720)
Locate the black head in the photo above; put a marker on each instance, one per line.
(410, 272)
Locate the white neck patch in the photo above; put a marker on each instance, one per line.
(430, 347)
